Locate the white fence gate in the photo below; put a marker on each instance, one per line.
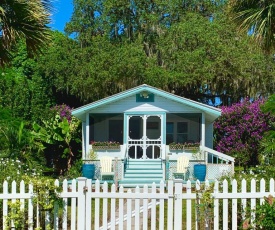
(91, 206)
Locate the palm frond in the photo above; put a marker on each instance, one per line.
(258, 16)
(24, 19)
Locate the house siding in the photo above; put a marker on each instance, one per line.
(129, 104)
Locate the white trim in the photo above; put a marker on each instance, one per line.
(203, 129)
(87, 135)
(83, 140)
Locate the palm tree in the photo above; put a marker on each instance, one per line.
(258, 17)
(26, 20)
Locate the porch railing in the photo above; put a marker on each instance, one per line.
(215, 157)
(145, 144)
(218, 164)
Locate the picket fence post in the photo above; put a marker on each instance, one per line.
(81, 203)
(253, 202)
(178, 204)
(216, 206)
(234, 205)
(188, 206)
(170, 205)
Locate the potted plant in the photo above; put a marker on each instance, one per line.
(200, 166)
(88, 169)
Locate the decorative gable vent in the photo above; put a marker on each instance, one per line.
(145, 96)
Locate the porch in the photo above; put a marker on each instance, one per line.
(155, 170)
(140, 145)
(143, 135)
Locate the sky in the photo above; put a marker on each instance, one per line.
(61, 14)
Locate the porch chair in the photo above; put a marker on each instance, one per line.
(106, 168)
(182, 167)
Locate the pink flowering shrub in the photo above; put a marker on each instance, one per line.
(239, 130)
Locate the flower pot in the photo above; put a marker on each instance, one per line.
(200, 172)
(88, 171)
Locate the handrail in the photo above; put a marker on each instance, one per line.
(218, 154)
(125, 158)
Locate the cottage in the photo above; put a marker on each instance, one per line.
(145, 130)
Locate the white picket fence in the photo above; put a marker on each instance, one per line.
(91, 206)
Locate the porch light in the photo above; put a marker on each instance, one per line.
(144, 94)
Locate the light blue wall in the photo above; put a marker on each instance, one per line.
(129, 104)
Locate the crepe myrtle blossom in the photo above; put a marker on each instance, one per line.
(240, 129)
(64, 111)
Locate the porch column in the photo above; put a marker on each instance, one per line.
(87, 135)
(125, 128)
(203, 129)
(203, 135)
(163, 136)
(83, 140)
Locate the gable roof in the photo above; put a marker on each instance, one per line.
(209, 110)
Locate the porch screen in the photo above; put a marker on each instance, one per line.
(106, 127)
(182, 128)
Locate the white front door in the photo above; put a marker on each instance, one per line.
(144, 136)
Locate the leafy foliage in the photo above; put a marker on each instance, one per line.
(17, 141)
(16, 170)
(265, 214)
(268, 141)
(240, 129)
(190, 56)
(46, 196)
(58, 135)
(25, 96)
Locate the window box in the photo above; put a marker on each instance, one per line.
(176, 146)
(105, 145)
(184, 146)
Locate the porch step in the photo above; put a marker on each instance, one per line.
(138, 167)
(144, 171)
(141, 172)
(143, 176)
(140, 183)
(156, 164)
